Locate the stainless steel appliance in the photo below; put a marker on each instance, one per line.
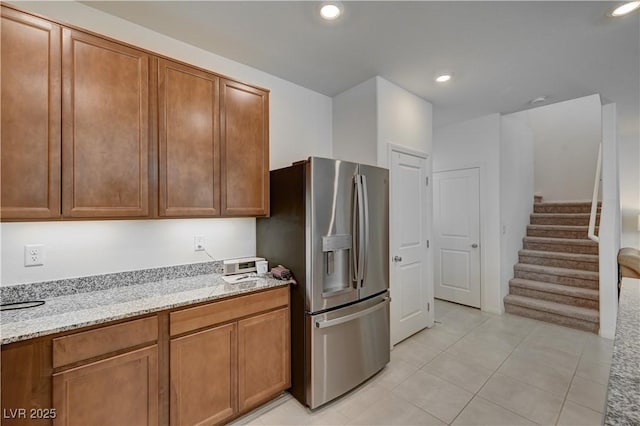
(329, 224)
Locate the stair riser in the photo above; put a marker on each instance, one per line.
(544, 208)
(564, 248)
(553, 233)
(568, 221)
(552, 318)
(554, 297)
(557, 279)
(559, 263)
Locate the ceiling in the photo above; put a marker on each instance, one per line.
(503, 53)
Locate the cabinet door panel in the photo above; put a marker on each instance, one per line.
(189, 141)
(244, 150)
(122, 390)
(26, 381)
(30, 111)
(106, 128)
(203, 377)
(263, 358)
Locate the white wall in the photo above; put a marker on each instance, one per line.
(403, 119)
(300, 126)
(375, 113)
(567, 135)
(516, 190)
(609, 231)
(629, 172)
(476, 143)
(355, 124)
(74, 249)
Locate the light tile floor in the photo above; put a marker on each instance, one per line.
(472, 368)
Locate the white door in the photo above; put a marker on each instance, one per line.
(411, 294)
(456, 239)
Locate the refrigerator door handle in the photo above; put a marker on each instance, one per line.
(365, 225)
(351, 317)
(361, 233)
(354, 231)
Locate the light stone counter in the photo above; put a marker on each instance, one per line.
(623, 394)
(116, 296)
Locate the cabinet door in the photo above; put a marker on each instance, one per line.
(189, 167)
(203, 377)
(122, 390)
(26, 383)
(263, 358)
(105, 135)
(244, 150)
(30, 111)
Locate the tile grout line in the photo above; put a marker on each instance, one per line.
(571, 384)
(477, 394)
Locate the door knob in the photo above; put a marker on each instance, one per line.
(474, 245)
(397, 259)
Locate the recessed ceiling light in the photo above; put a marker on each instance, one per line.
(443, 78)
(331, 11)
(626, 8)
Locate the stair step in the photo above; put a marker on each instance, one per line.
(569, 295)
(563, 245)
(572, 219)
(584, 262)
(557, 313)
(554, 275)
(559, 231)
(564, 207)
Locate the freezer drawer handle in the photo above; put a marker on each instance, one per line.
(351, 317)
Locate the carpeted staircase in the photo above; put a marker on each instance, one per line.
(556, 279)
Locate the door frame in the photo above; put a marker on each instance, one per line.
(481, 166)
(428, 221)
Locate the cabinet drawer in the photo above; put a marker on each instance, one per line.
(226, 310)
(101, 341)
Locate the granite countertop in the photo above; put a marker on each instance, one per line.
(623, 393)
(108, 303)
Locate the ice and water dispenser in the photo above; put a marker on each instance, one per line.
(337, 264)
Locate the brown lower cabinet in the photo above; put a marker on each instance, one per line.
(263, 358)
(203, 380)
(221, 371)
(222, 359)
(120, 390)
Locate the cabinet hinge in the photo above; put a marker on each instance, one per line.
(427, 243)
(427, 179)
(428, 307)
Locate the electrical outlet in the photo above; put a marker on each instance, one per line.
(198, 243)
(34, 255)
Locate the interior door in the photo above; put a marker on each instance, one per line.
(410, 293)
(456, 224)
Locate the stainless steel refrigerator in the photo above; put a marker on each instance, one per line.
(329, 224)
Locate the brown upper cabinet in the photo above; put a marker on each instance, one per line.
(93, 128)
(189, 145)
(105, 134)
(30, 160)
(244, 112)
